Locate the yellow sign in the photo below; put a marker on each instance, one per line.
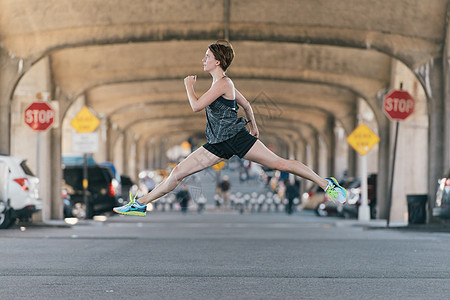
(362, 139)
(85, 121)
(219, 166)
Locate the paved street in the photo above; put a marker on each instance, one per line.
(222, 255)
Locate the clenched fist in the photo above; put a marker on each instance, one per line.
(190, 80)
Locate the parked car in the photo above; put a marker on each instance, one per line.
(313, 197)
(442, 203)
(23, 191)
(101, 192)
(118, 180)
(5, 207)
(351, 207)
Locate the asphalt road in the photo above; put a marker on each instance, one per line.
(222, 255)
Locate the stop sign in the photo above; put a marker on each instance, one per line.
(39, 116)
(398, 105)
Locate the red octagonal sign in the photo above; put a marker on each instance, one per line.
(39, 116)
(398, 105)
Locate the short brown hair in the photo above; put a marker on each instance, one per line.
(223, 52)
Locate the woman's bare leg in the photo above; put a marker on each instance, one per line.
(259, 153)
(198, 160)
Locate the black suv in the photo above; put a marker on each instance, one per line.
(102, 196)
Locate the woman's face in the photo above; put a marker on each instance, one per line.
(209, 61)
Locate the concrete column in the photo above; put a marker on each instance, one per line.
(292, 147)
(133, 158)
(162, 159)
(150, 154)
(129, 154)
(56, 207)
(140, 159)
(383, 177)
(302, 157)
(126, 153)
(111, 138)
(8, 78)
(155, 152)
(315, 154)
(147, 155)
(102, 154)
(446, 63)
(434, 77)
(352, 155)
(118, 153)
(331, 143)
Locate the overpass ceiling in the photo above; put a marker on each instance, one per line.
(309, 59)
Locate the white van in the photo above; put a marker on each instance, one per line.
(23, 189)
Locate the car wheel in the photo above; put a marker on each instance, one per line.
(5, 219)
(320, 210)
(79, 210)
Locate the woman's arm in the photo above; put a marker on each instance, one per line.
(248, 113)
(217, 89)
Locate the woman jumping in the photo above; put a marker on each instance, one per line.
(226, 135)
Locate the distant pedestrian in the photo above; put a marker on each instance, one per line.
(149, 183)
(183, 197)
(291, 193)
(226, 134)
(225, 186)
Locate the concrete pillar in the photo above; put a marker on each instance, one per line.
(56, 207)
(8, 78)
(150, 154)
(383, 177)
(162, 159)
(301, 155)
(446, 98)
(111, 139)
(102, 154)
(323, 164)
(433, 77)
(352, 156)
(129, 154)
(147, 155)
(156, 149)
(118, 153)
(315, 154)
(140, 159)
(125, 153)
(331, 145)
(292, 147)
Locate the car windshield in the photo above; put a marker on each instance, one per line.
(25, 168)
(96, 177)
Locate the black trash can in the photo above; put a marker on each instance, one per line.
(417, 208)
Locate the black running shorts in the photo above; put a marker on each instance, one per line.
(237, 145)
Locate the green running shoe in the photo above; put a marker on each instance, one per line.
(132, 208)
(335, 191)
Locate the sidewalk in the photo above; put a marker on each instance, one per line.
(382, 224)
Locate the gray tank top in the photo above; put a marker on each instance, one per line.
(223, 121)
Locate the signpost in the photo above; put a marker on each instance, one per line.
(398, 105)
(39, 116)
(86, 141)
(362, 139)
(85, 121)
